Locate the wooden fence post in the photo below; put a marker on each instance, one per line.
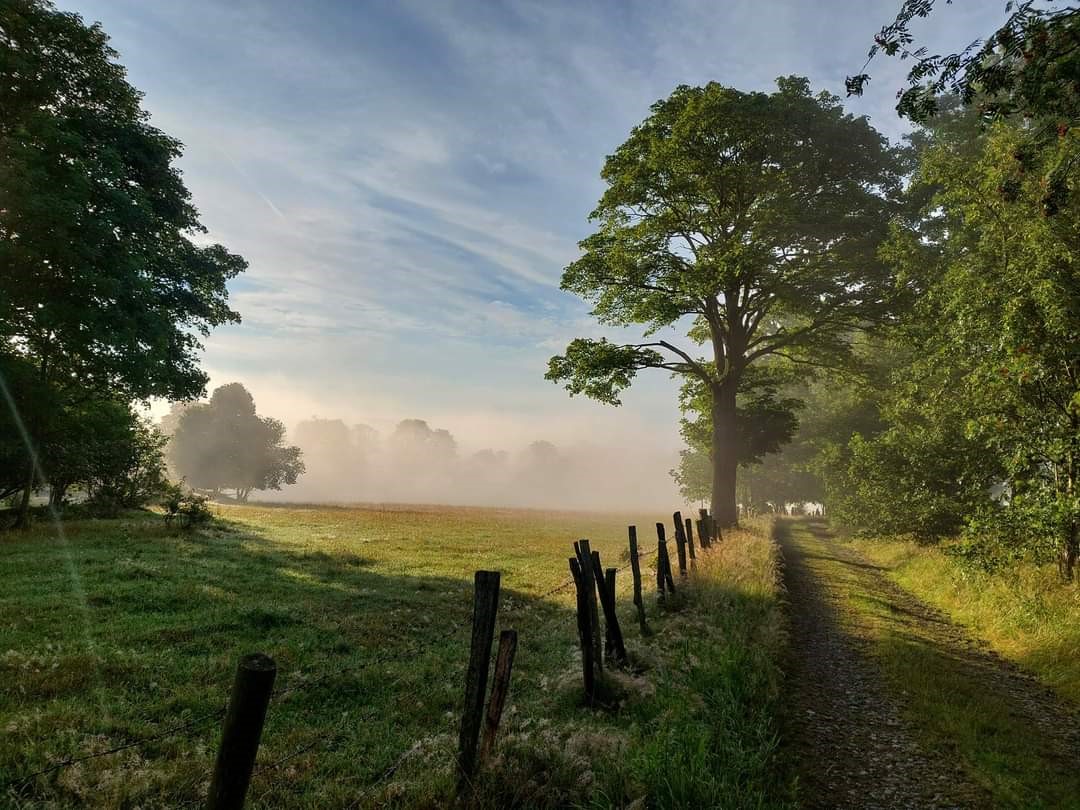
(241, 731)
(500, 688)
(592, 588)
(613, 633)
(664, 563)
(690, 542)
(485, 607)
(680, 543)
(703, 528)
(585, 631)
(635, 568)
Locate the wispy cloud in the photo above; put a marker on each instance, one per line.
(408, 179)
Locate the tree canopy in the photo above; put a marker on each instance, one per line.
(225, 444)
(748, 220)
(106, 286)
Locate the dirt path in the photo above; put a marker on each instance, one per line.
(847, 733)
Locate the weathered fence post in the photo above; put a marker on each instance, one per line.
(635, 568)
(241, 731)
(581, 547)
(690, 542)
(703, 528)
(485, 607)
(680, 543)
(500, 688)
(585, 631)
(664, 563)
(613, 633)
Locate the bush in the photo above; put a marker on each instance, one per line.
(185, 509)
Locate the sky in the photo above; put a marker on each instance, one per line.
(408, 180)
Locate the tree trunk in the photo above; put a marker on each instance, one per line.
(22, 518)
(724, 459)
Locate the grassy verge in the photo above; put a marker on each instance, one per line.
(1026, 614)
(122, 629)
(958, 700)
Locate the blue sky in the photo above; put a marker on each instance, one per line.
(408, 179)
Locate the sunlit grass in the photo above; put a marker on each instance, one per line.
(365, 611)
(1025, 613)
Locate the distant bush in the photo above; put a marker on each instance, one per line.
(185, 509)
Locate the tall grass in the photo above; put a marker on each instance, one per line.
(1025, 613)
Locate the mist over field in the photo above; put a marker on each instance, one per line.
(415, 462)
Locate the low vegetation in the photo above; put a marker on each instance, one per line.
(1023, 612)
(116, 630)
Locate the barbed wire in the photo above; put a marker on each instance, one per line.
(172, 731)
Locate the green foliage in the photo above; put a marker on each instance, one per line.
(1030, 65)
(225, 444)
(185, 508)
(102, 279)
(749, 219)
(765, 421)
(983, 415)
(105, 290)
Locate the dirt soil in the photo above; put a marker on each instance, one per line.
(845, 730)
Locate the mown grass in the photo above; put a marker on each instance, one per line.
(952, 695)
(121, 629)
(1025, 613)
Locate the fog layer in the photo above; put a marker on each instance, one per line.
(416, 463)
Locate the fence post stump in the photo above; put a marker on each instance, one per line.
(485, 607)
(585, 631)
(664, 561)
(690, 542)
(703, 528)
(635, 568)
(241, 731)
(500, 688)
(592, 589)
(680, 543)
(703, 535)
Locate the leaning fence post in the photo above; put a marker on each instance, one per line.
(485, 607)
(241, 731)
(613, 633)
(504, 664)
(592, 588)
(680, 543)
(585, 630)
(690, 542)
(664, 561)
(635, 568)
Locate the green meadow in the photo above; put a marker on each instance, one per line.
(120, 630)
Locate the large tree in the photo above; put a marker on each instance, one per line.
(225, 444)
(749, 220)
(104, 289)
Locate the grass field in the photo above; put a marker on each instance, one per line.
(123, 629)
